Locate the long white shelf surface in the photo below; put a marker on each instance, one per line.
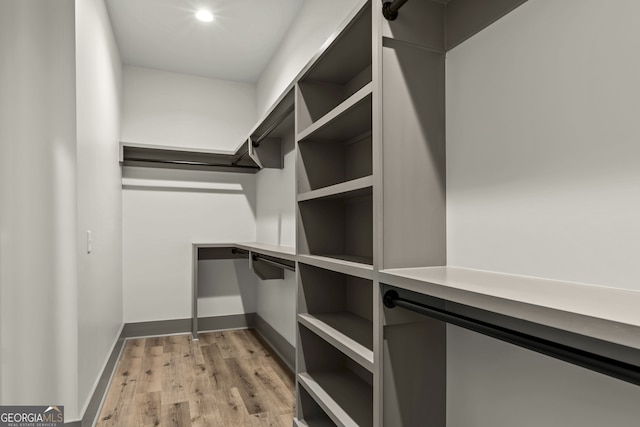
(609, 314)
(349, 333)
(346, 398)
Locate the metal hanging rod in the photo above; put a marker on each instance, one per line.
(187, 163)
(257, 257)
(256, 142)
(242, 156)
(239, 251)
(595, 362)
(390, 9)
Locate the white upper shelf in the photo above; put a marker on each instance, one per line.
(609, 314)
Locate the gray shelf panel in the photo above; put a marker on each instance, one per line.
(354, 188)
(346, 331)
(354, 259)
(314, 423)
(349, 119)
(344, 396)
(348, 54)
(360, 269)
(156, 156)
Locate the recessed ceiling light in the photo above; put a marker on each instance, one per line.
(204, 15)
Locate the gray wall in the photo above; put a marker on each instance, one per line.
(543, 179)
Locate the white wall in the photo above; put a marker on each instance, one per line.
(316, 21)
(226, 287)
(160, 223)
(165, 211)
(276, 225)
(166, 108)
(98, 80)
(38, 274)
(543, 180)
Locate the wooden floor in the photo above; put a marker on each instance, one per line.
(226, 379)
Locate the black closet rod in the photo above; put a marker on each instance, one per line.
(239, 251)
(256, 142)
(242, 156)
(186, 163)
(390, 9)
(595, 362)
(257, 257)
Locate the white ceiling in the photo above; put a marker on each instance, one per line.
(165, 35)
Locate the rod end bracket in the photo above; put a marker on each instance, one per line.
(388, 13)
(389, 298)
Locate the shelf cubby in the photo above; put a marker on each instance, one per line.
(324, 163)
(342, 69)
(347, 120)
(339, 308)
(338, 227)
(310, 414)
(341, 387)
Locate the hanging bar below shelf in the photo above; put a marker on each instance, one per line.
(281, 118)
(390, 9)
(239, 251)
(257, 257)
(614, 368)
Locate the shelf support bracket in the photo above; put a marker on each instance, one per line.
(390, 9)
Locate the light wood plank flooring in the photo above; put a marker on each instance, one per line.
(226, 379)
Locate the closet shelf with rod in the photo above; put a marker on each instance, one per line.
(614, 367)
(171, 157)
(264, 143)
(597, 312)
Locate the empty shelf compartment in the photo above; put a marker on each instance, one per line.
(339, 385)
(310, 413)
(340, 228)
(339, 308)
(347, 120)
(342, 69)
(325, 163)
